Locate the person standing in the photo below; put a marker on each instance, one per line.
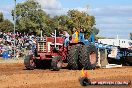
(81, 35)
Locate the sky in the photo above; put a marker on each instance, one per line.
(113, 17)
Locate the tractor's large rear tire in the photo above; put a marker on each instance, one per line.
(56, 63)
(88, 57)
(29, 62)
(72, 57)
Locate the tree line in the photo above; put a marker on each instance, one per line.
(30, 18)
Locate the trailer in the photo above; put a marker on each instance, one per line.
(120, 50)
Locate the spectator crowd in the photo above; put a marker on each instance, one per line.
(18, 43)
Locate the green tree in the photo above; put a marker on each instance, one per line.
(131, 36)
(61, 23)
(75, 18)
(95, 30)
(31, 18)
(1, 17)
(6, 26)
(81, 20)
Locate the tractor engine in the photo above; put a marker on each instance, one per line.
(47, 48)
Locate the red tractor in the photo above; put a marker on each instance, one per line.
(51, 53)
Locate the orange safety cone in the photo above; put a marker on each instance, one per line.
(84, 79)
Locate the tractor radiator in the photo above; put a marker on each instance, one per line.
(42, 45)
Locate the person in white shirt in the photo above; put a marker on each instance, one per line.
(66, 38)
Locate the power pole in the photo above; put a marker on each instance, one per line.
(14, 27)
(87, 9)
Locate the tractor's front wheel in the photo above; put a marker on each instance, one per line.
(29, 62)
(56, 63)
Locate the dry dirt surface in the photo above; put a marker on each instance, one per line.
(14, 75)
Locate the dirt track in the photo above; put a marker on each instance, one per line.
(13, 75)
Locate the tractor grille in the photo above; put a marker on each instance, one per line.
(41, 44)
